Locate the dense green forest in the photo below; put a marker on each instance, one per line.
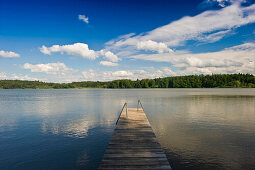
(193, 81)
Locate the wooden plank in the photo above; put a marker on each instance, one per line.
(134, 144)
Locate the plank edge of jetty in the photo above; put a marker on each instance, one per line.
(133, 144)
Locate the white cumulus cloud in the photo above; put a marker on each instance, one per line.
(3, 75)
(23, 77)
(50, 68)
(83, 18)
(150, 45)
(81, 49)
(126, 74)
(109, 56)
(77, 49)
(8, 54)
(6, 76)
(108, 63)
(236, 59)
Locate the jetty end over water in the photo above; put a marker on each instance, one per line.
(134, 144)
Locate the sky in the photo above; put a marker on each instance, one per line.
(99, 40)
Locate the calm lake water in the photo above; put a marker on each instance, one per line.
(70, 129)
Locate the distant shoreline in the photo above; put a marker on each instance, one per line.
(88, 88)
(192, 81)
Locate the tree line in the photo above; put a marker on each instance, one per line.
(192, 81)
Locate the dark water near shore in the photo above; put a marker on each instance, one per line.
(70, 129)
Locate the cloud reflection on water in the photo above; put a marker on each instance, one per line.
(210, 129)
(79, 114)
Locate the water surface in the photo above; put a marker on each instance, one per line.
(70, 129)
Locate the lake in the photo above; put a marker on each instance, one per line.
(70, 129)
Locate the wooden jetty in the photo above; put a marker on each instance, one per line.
(134, 144)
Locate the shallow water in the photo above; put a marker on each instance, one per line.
(70, 129)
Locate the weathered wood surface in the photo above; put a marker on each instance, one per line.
(134, 145)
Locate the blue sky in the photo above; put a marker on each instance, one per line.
(65, 41)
